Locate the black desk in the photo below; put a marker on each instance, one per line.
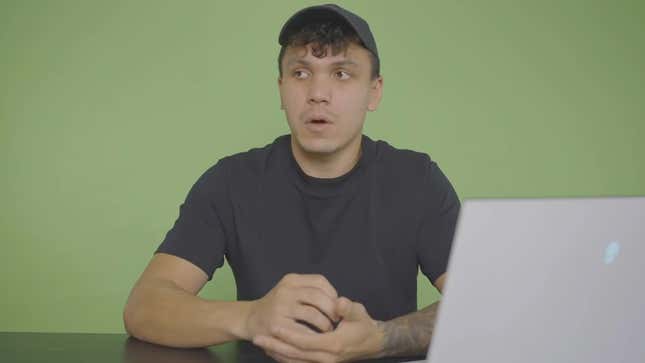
(117, 348)
(114, 348)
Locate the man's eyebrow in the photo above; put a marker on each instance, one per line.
(345, 62)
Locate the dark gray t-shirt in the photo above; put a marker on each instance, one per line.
(368, 231)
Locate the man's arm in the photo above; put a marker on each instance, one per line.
(411, 334)
(163, 307)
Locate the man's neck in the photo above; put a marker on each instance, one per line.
(328, 165)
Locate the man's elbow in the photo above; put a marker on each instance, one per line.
(133, 321)
(141, 321)
(129, 320)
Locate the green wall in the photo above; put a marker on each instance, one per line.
(110, 110)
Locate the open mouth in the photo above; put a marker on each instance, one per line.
(318, 125)
(317, 122)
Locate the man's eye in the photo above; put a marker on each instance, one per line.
(342, 75)
(300, 74)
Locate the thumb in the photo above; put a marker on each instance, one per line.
(349, 310)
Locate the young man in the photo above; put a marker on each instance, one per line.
(324, 229)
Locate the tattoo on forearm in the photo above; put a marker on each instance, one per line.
(409, 334)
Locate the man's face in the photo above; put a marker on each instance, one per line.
(326, 99)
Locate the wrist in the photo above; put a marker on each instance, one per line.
(375, 342)
(243, 329)
(379, 339)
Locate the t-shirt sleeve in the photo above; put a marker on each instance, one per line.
(438, 224)
(198, 234)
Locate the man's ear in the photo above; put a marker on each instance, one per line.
(280, 92)
(376, 93)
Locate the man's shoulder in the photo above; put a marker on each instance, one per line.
(401, 160)
(254, 160)
(411, 171)
(255, 152)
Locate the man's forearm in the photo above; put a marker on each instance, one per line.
(409, 334)
(164, 314)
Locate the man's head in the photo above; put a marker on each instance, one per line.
(329, 78)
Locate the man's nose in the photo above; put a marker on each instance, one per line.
(319, 90)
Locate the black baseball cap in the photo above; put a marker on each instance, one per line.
(328, 11)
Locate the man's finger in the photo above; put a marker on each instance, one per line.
(349, 310)
(282, 359)
(312, 316)
(298, 327)
(344, 307)
(316, 298)
(277, 347)
(291, 353)
(318, 281)
(324, 343)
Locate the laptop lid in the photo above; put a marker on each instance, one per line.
(545, 280)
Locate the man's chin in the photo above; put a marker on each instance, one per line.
(319, 149)
(317, 146)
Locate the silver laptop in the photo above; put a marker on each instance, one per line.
(545, 280)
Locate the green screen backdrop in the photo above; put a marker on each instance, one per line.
(110, 110)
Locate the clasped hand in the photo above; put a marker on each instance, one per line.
(277, 323)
